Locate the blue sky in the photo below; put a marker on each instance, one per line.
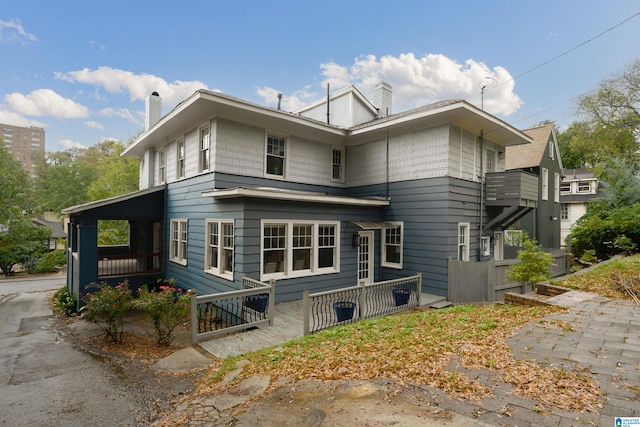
(81, 69)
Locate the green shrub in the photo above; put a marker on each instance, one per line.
(534, 266)
(65, 302)
(165, 307)
(51, 260)
(107, 306)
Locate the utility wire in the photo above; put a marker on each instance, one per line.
(564, 53)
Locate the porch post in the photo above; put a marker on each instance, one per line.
(87, 255)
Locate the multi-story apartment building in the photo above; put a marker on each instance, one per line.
(22, 143)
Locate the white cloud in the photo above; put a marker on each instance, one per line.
(138, 86)
(13, 30)
(420, 81)
(67, 144)
(291, 102)
(15, 119)
(91, 124)
(123, 113)
(45, 102)
(431, 78)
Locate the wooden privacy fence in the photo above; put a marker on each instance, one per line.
(225, 312)
(348, 305)
(486, 280)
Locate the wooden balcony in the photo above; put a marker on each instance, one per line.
(513, 188)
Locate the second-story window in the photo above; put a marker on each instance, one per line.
(275, 155)
(551, 155)
(162, 169)
(565, 187)
(180, 157)
(490, 161)
(556, 187)
(204, 149)
(545, 184)
(337, 164)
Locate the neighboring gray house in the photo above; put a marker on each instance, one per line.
(578, 188)
(541, 159)
(339, 192)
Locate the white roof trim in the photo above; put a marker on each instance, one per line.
(111, 200)
(298, 196)
(371, 225)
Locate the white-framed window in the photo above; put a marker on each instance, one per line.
(392, 246)
(513, 238)
(584, 186)
(337, 164)
(545, 184)
(299, 248)
(178, 241)
(485, 247)
(205, 142)
(180, 158)
(463, 241)
(162, 166)
(564, 211)
(551, 150)
(219, 254)
(565, 188)
(556, 187)
(490, 161)
(275, 161)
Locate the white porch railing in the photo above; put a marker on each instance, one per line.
(226, 312)
(348, 305)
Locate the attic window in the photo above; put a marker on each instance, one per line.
(551, 150)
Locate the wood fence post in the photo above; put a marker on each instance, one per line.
(305, 313)
(194, 317)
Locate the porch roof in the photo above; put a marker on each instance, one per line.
(292, 195)
(374, 225)
(111, 201)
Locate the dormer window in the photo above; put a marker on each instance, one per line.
(276, 151)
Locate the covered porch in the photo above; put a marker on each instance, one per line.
(138, 259)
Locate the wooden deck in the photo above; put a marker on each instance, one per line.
(287, 325)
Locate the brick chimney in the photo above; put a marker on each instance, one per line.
(382, 95)
(153, 110)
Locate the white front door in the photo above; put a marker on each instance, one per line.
(365, 257)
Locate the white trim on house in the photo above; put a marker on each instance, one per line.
(223, 243)
(391, 239)
(178, 240)
(282, 238)
(298, 196)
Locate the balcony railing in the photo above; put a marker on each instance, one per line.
(511, 188)
(122, 265)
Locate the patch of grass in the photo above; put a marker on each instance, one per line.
(602, 279)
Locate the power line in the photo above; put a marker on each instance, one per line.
(566, 52)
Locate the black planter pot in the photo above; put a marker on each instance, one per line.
(401, 296)
(257, 302)
(344, 310)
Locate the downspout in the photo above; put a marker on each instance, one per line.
(480, 231)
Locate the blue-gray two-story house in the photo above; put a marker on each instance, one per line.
(341, 191)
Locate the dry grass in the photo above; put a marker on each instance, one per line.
(419, 347)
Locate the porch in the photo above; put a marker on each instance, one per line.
(288, 324)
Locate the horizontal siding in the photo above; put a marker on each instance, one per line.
(185, 201)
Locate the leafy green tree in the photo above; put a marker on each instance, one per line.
(62, 179)
(620, 185)
(616, 102)
(14, 188)
(95, 173)
(20, 241)
(116, 174)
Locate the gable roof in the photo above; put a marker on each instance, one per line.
(530, 155)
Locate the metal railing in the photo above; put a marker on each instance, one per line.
(121, 265)
(348, 305)
(227, 312)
